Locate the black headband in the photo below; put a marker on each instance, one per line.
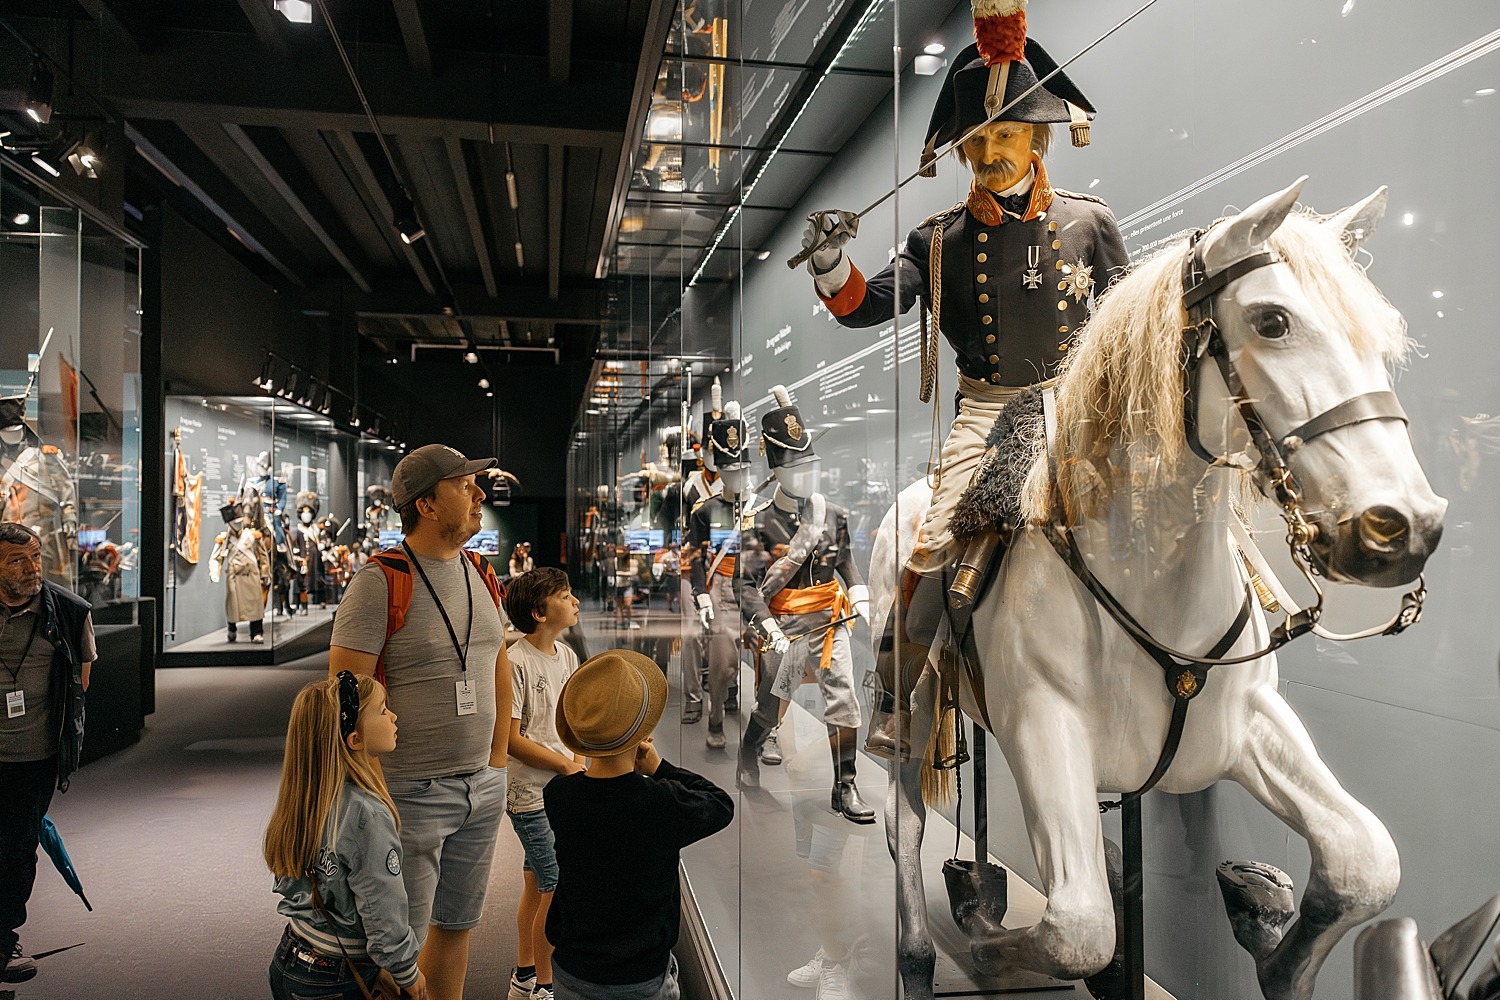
(348, 703)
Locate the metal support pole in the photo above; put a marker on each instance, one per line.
(1135, 911)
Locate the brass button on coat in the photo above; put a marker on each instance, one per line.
(1063, 346)
(1062, 306)
(1057, 244)
(986, 320)
(1060, 265)
(995, 378)
(994, 359)
(1051, 227)
(984, 237)
(981, 278)
(984, 297)
(989, 338)
(982, 258)
(1062, 286)
(1062, 329)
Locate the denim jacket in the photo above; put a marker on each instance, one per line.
(359, 880)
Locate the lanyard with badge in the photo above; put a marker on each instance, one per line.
(468, 703)
(15, 700)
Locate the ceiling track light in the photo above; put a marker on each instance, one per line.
(510, 190)
(405, 218)
(45, 165)
(39, 90)
(295, 11)
(520, 256)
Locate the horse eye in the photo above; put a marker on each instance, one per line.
(1272, 324)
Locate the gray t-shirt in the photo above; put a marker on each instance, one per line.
(32, 736)
(422, 667)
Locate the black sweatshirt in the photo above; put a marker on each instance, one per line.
(615, 912)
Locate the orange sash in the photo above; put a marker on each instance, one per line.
(828, 597)
(725, 567)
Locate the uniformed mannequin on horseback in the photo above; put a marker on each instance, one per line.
(796, 549)
(1008, 276)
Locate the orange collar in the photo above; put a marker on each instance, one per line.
(984, 206)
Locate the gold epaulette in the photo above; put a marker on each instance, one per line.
(1080, 196)
(700, 503)
(747, 519)
(945, 215)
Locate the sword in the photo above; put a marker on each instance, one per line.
(849, 221)
(819, 630)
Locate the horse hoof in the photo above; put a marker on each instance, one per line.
(1258, 899)
(1109, 983)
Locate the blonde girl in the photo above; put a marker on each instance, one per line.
(334, 831)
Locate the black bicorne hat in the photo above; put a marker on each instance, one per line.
(785, 440)
(961, 104)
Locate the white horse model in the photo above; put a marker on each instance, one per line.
(1076, 705)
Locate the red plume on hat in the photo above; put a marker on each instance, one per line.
(1000, 30)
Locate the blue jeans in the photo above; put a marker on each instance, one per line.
(298, 973)
(663, 987)
(538, 855)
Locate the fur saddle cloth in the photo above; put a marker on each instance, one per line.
(992, 499)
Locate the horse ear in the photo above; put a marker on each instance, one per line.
(1248, 232)
(1355, 223)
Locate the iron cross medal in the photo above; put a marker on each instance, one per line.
(1032, 277)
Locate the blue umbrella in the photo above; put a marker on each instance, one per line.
(53, 845)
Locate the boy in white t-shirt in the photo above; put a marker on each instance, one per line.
(541, 604)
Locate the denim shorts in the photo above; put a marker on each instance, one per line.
(663, 987)
(294, 976)
(538, 855)
(448, 831)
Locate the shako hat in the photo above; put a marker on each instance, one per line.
(995, 71)
(611, 703)
(727, 438)
(785, 440)
(309, 500)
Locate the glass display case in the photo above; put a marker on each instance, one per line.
(70, 393)
(739, 148)
(261, 524)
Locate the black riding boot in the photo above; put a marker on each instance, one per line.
(846, 801)
(747, 774)
(891, 712)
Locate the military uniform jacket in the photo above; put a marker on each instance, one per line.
(766, 532)
(713, 513)
(1003, 332)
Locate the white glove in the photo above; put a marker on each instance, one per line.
(859, 599)
(828, 263)
(776, 640)
(705, 610)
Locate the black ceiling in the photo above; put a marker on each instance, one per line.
(248, 124)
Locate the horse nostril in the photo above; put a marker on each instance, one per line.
(1382, 529)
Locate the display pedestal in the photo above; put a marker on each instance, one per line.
(122, 681)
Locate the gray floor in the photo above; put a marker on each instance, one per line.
(278, 628)
(166, 838)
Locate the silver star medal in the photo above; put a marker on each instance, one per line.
(1031, 277)
(1080, 280)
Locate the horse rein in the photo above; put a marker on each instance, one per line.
(1186, 674)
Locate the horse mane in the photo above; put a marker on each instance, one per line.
(1122, 383)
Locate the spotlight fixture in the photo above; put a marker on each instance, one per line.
(39, 94)
(520, 256)
(22, 218)
(510, 190)
(296, 11)
(264, 378)
(406, 219)
(484, 383)
(84, 160)
(471, 357)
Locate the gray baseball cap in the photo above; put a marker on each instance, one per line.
(429, 465)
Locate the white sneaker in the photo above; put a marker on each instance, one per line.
(807, 976)
(521, 989)
(833, 982)
(770, 750)
(542, 993)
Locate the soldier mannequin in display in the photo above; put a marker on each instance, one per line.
(379, 515)
(711, 568)
(37, 490)
(240, 561)
(796, 546)
(307, 559)
(1008, 274)
(698, 485)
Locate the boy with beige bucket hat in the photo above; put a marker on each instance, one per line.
(618, 828)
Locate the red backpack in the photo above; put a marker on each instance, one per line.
(397, 569)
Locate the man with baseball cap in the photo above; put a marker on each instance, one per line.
(425, 614)
(617, 829)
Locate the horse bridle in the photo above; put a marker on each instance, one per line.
(1184, 673)
(1201, 336)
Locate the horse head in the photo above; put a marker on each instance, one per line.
(1312, 343)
